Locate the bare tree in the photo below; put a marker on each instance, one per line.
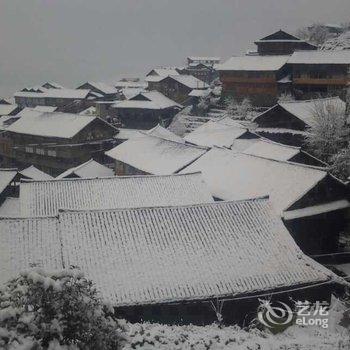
(317, 33)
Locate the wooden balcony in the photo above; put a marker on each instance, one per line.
(315, 81)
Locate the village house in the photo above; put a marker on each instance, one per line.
(41, 96)
(101, 91)
(178, 87)
(203, 68)
(89, 169)
(316, 73)
(33, 173)
(46, 198)
(41, 139)
(159, 156)
(281, 43)
(145, 110)
(311, 202)
(9, 109)
(172, 264)
(260, 78)
(289, 122)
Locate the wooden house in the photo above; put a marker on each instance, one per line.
(152, 154)
(289, 122)
(282, 43)
(54, 142)
(101, 91)
(254, 77)
(171, 264)
(320, 73)
(178, 87)
(42, 96)
(8, 177)
(145, 110)
(311, 202)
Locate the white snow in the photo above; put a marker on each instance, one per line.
(254, 63)
(50, 124)
(320, 57)
(165, 134)
(155, 255)
(190, 81)
(216, 133)
(235, 176)
(89, 169)
(155, 155)
(34, 173)
(45, 198)
(341, 42)
(55, 93)
(316, 209)
(7, 109)
(10, 208)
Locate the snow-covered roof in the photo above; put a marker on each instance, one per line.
(25, 242)
(6, 177)
(269, 149)
(190, 81)
(129, 84)
(129, 93)
(305, 110)
(199, 93)
(203, 58)
(155, 155)
(165, 134)
(7, 120)
(89, 169)
(154, 100)
(126, 134)
(7, 109)
(34, 173)
(254, 63)
(45, 108)
(10, 208)
(55, 93)
(103, 87)
(163, 72)
(167, 254)
(215, 133)
(320, 57)
(61, 125)
(45, 198)
(235, 176)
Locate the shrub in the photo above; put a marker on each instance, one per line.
(48, 310)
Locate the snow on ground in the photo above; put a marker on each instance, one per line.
(156, 336)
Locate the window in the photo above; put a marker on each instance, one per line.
(29, 149)
(40, 151)
(52, 153)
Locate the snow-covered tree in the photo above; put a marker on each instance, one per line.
(59, 310)
(239, 110)
(317, 33)
(329, 132)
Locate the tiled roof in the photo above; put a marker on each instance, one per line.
(320, 57)
(10, 208)
(55, 124)
(190, 81)
(45, 198)
(89, 169)
(35, 174)
(237, 176)
(24, 242)
(7, 109)
(55, 93)
(165, 254)
(215, 133)
(254, 63)
(155, 155)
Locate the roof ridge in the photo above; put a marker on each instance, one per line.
(264, 198)
(310, 100)
(26, 181)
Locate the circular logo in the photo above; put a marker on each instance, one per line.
(272, 316)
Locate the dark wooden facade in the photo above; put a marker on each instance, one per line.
(55, 155)
(202, 72)
(261, 87)
(282, 43)
(319, 233)
(315, 80)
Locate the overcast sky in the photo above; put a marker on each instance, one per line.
(72, 41)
